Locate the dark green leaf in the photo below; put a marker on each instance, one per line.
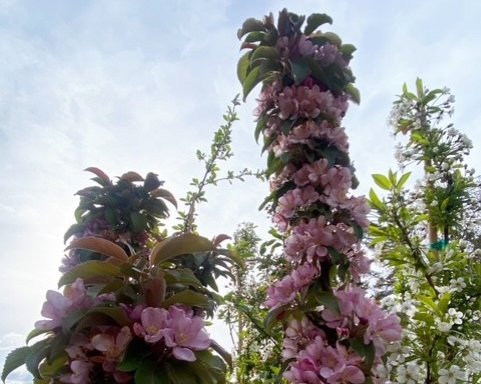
(189, 298)
(252, 79)
(300, 71)
(149, 372)
(135, 353)
(250, 25)
(352, 91)
(14, 360)
(316, 20)
(243, 67)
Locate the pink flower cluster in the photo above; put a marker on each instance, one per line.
(177, 327)
(176, 332)
(323, 224)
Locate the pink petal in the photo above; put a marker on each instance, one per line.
(103, 342)
(184, 354)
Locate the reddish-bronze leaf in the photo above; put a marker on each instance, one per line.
(99, 245)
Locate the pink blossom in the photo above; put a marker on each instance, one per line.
(285, 291)
(58, 305)
(186, 333)
(112, 346)
(80, 372)
(153, 324)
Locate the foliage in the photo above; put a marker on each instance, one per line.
(220, 150)
(418, 234)
(258, 350)
(332, 332)
(129, 312)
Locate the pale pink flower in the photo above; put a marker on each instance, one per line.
(80, 373)
(285, 291)
(113, 346)
(58, 305)
(186, 333)
(153, 324)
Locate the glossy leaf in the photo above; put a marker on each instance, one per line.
(382, 181)
(131, 177)
(186, 243)
(189, 298)
(403, 180)
(99, 245)
(91, 270)
(100, 174)
(252, 79)
(164, 194)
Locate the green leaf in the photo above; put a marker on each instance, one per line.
(352, 91)
(72, 230)
(14, 360)
(300, 70)
(255, 36)
(181, 276)
(316, 20)
(375, 201)
(328, 300)
(382, 181)
(250, 25)
(252, 79)
(275, 315)
(264, 52)
(403, 180)
(37, 353)
(135, 353)
(243, 67)
(419, 87)
(444, 302)
(186, 243)
(187, 297)
(149, 372)
(180, 374)
(34, 333)
(348, 49)
(367, 351)
(94, 269)
(139, 222)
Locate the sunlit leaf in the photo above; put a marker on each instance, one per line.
(90, 270)
(382, 181)
(164, 194)
(99, 245)
(100, 174)
(186, 243)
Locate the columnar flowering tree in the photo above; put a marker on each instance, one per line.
(420, 235)
(333, 332)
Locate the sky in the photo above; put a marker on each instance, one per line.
(141, 85)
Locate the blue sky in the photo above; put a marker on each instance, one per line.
(140, 85)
